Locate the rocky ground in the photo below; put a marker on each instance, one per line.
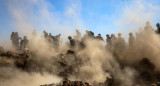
(24, 61)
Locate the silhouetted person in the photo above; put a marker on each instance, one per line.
(12, 39)
(50, 35)
(120, 43)
(131, 39)
(108, 40)
(78, 35)
(120, 38)
(50, 38)
(57, 41)
(148, 26)
(89, 34)
(158, 28)
(16, 40)
(113, 38)
(45, 34)
(99, 37)
(24, 43)
(72, 42)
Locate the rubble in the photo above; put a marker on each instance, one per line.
(67, 82)
(69, 64)
(17, 59)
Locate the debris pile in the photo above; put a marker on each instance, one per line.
(67, 82)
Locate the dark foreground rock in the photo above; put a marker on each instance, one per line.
(67, 82)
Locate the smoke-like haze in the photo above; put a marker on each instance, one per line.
(15, 77)
(98, 61)
(134, 15)
(26, 19)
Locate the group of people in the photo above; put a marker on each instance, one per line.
(90, 35)
(111, 40)
(78, 41)
(54, 40)
(19, 43)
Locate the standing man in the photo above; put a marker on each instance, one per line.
(108, 40)
(72, 42)
(24, 43)
(158, 28)
(16, 38)
(99, 37)
(131, 39)
(148, 26)
(13, 39)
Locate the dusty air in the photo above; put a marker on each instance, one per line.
(79, 43)
(84, 60)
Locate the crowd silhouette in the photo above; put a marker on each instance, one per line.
(77, 42)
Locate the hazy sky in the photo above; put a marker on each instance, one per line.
(64, 16)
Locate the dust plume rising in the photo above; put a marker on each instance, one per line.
(91, 60)
(35, 14)
(15, 77)
(96, 61)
